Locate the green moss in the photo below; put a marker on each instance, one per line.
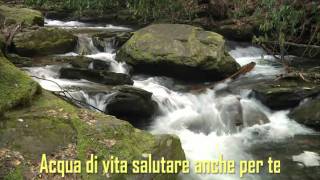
(52, 124)
(16, 87)
(33, 135)
(15, 175)
(190, 49)
(22, 15)
(44, 41)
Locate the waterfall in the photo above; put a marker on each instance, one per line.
(81, 25)
(85, 45)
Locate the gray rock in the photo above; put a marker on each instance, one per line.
(285, 93)
(178, 50)
(102, 77)
(252, 115)
(308, 114)
(44, 41)
(133, 102)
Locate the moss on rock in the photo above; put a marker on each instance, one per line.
(285, 93)
(44, 41)
(58, 124)
(26, 16)
(16, 87)
(178, 50)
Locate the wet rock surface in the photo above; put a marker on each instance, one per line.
(102, 77)
(285, 93)
(286, 151)
(132, 103)
(308, 114)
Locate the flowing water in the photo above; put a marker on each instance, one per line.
(203, 121)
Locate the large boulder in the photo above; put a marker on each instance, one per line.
(284, 93)
(13, 15)
(308, 114)
(178, 50)
(44, 41)
(131, 102)
(102, 77)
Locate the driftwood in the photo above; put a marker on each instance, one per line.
(310, 77)
(9, 32)
(294, 44)
(242, 71)
(67, 96)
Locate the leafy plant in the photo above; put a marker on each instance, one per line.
(282, 23)
(144, 9)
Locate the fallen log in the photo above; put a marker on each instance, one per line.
(242, 71)
(294, 44)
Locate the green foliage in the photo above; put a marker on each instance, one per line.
(240, 8)
(143, 9)
(15, 175)
(281, 19)
(156, 9)
(288, 21)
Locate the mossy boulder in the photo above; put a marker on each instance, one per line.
(178, 50)
(15, 15)
(64, 132)
(16, 87)
(285, 93)
(44, 41)
(308, 114)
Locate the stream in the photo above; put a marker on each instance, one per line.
(202, 119)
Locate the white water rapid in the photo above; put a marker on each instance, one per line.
(203, 121)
